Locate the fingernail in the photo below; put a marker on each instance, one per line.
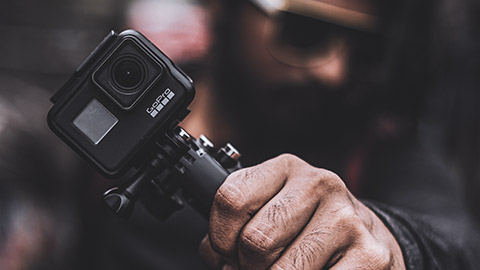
(228, 267)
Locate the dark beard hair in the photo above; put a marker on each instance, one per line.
(312, 119)
(274, 119)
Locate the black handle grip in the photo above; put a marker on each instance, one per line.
(201, 182)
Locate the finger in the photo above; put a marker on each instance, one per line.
(275, 225)
(320, 243)
(241, 196)
(366, 256)
(208, 255)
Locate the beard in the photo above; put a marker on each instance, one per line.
(309, 120)
(314, 121)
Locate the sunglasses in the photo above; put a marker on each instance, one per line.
(311, 27)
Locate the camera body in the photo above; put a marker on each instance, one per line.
(118, 101)
(120, 110)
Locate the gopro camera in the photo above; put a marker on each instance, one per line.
(120, 111)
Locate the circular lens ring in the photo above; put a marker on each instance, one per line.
(128, 73)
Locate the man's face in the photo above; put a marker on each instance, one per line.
(300, 47)
(291, 74)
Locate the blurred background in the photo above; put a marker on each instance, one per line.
(51, 214)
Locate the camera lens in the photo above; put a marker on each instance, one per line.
(128, 73)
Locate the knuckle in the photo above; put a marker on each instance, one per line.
(382, 260)
(252, 240)
(348, 225)
(349, 222)
(349, 218)
(288, 160)
(326, 181)
(237, 175)
(378, 256)
(229, 199)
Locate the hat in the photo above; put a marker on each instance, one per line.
(356, 14)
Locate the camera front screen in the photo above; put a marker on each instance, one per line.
(95, 121)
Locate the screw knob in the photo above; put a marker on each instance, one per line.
(118, 202)
(228, 156)
(206, 143)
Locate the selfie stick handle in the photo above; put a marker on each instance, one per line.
(202, 179)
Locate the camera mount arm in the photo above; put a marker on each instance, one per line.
(182, 169)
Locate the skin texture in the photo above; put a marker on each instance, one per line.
(286, 214)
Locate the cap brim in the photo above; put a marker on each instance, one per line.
(321, 11)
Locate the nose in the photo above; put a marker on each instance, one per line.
(332, 71)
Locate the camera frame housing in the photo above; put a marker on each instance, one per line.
(113, 128)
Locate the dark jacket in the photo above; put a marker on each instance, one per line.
(423, 203)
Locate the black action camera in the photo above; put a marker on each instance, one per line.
(125, 93)
(120, 111)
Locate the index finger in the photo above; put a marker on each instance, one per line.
(241, 196)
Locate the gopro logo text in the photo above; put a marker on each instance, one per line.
(160, 102)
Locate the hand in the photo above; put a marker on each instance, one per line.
(286, 214)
